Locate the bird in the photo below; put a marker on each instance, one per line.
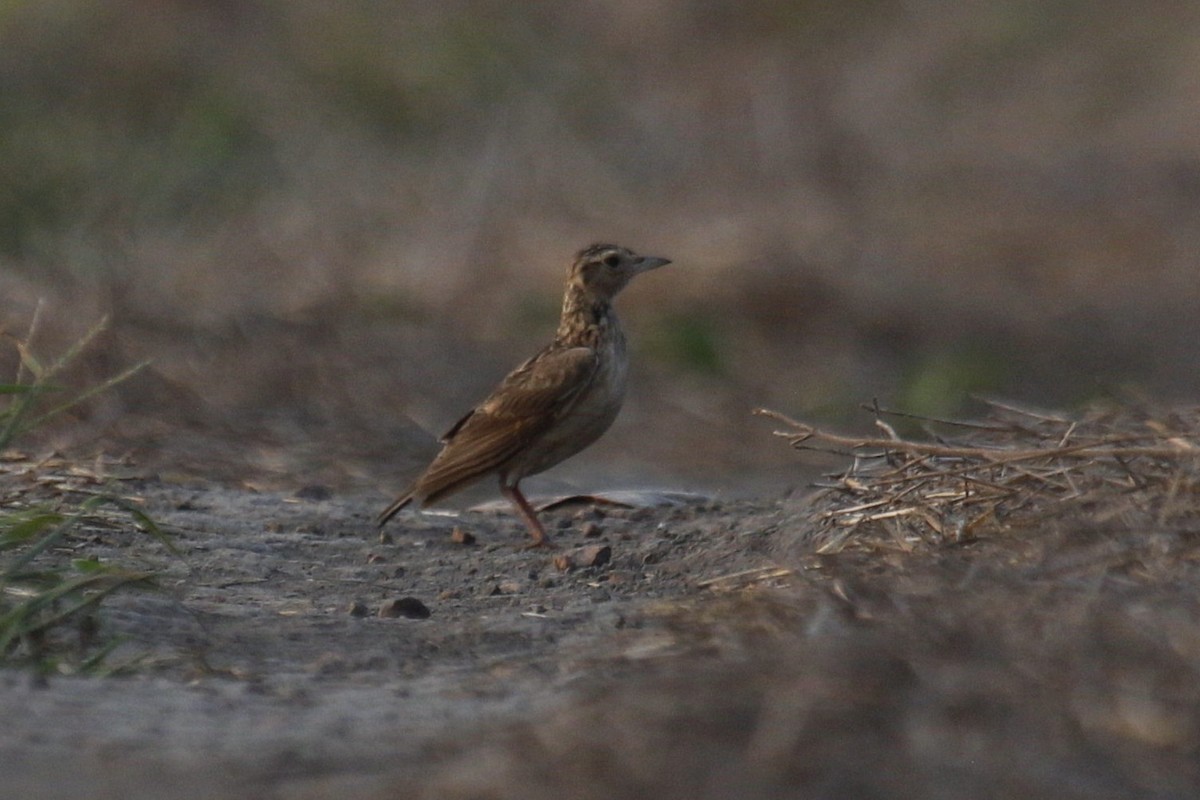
(550, 407)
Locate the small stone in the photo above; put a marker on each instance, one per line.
(459, 536)
(359, 609)
(407, 607)
(507, 587)
(385, 538)
(591, 530)
(592, 555)
(376, 558)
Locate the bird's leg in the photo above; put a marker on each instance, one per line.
(527, 514)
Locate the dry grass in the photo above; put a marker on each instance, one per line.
(1018, 469)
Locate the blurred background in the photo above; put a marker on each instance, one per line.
(333, 226)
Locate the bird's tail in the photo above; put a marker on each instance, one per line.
(394, 508)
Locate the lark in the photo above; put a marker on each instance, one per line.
(552, 406)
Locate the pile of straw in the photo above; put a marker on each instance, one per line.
(1016, 469)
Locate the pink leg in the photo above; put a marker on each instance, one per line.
(528, 514)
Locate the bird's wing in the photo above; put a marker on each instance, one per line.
(528, 401)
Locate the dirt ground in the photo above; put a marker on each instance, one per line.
(269, 670)
(713, 654)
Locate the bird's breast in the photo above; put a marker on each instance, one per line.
(586, 419)
(601, 401)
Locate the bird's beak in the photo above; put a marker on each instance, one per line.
(650, 262)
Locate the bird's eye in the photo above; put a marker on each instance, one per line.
(612, 260)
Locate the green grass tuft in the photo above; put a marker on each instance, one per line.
(48, 600)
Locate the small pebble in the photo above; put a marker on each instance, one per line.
(408, 607)
(376, 558)
(459, 536)
(592, 555)
(359, 609)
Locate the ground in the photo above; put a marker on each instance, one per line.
(716, 652)
(269, 668)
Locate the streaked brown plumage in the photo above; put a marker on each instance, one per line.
(552, 406)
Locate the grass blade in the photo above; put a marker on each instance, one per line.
(86, 395)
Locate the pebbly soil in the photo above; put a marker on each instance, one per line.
(289, 648)
(714, 655)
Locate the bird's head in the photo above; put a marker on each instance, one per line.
(602, 270)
